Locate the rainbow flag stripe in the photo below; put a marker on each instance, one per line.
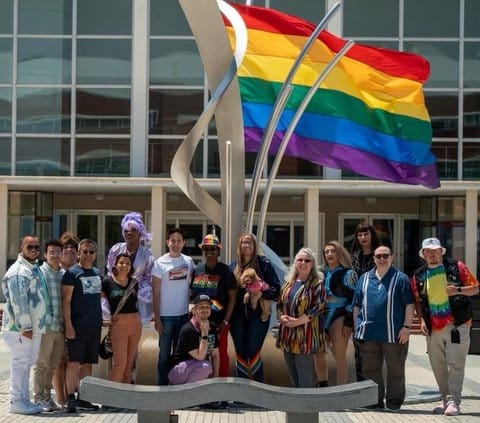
(369, 115)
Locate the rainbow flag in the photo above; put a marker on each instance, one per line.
(369, 115)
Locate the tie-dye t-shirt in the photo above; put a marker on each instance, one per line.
(440, 312)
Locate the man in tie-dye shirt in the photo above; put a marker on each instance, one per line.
(442, 289)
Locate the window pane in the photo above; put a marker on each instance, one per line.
(471, 115)
(104, 61)
(472, 12)
(43, 110)
(103, 111)
(113, 17)
(160, 156)
(293, 167)
(392, 45)
(6, 48)
(443, 58)
(310, 11)
(370, 18)
(420, 21)
(167, 18)
(42, 156)
(278, 239)
(45, 17)
(472, 65)
(471, 161)
(6, 16)
(44, 61)
(446, 154)
(102, 157)
(5, 110)
(5, 155)
(443, 109)
(174, 111)
(175, 62)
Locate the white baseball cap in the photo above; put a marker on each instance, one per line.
(432, 244)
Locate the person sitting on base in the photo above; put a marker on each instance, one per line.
(255, 286)
(196, 356)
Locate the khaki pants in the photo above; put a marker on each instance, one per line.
(448, 360)
(52, 347)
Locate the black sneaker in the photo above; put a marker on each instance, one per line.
(71, 406)
(86, 406)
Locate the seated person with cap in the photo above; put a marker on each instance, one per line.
(196, 356)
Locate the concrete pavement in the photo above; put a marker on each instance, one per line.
(421, 398)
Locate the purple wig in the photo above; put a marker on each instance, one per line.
(135, 220)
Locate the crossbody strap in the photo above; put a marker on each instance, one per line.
(124, 299)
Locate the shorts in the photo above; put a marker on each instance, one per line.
(84, 348)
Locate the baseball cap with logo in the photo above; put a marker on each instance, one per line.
(431, 244)
(201, 298)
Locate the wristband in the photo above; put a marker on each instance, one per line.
(406, 326)
(204, 337)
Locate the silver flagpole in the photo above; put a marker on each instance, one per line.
(288, 134)
(274, 117)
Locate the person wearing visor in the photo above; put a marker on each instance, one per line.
(442, 291)
(215, 279)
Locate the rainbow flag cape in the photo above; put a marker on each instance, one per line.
(369, 115)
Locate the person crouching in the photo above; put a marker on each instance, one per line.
(196, 356)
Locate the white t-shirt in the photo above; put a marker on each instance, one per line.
(176, 275)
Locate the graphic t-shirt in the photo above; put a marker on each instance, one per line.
(215, 282)
(86, 310)
(114, 293)
(175, 274)
(189, 340)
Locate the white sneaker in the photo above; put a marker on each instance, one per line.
(21, 407)
(452, 409)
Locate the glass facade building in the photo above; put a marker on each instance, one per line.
(96, 94)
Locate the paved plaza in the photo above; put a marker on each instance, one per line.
(421, 398)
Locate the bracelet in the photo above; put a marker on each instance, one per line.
(406, 326)
(226, 322)
(204, 337)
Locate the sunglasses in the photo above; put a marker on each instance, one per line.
(88, 252)
(33, 247)
(209, 248)
(382, 256)
(304, 260)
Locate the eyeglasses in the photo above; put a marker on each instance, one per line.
(304, 260)
(33, 247)
(382, 256)
(54, 253)
(209, 249)
(88, 252)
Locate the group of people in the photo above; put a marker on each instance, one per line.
(54, 313)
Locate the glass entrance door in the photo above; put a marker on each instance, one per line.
(101, 226)
(400, 232)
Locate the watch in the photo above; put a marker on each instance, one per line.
(459, 289)
(204, 337)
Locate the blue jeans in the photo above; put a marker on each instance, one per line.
(167, 343)
(248, 335)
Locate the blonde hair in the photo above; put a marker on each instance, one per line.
(314, 273)
(342, 254)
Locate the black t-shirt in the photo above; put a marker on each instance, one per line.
(114, 293)
(215, 282)
(86, 310)
(189, 339)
